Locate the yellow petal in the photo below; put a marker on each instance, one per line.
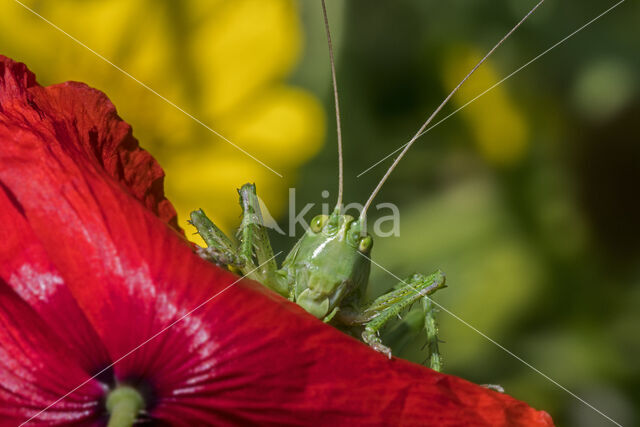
(282, 126)
(243, 46)
(499, 129)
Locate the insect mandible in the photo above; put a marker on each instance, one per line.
(327, 270)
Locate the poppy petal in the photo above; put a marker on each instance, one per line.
(32, 358)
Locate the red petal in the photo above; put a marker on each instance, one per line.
(26, 267)
(36, 368)
(89, 123)
(72, 182)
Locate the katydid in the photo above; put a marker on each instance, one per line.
(327, 270)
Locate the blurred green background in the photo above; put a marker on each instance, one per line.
(528, 198)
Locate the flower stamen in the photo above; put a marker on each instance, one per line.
(124, 403)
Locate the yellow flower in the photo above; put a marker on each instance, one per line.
(223, 61)
(499, 128)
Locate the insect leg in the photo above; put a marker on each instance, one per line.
(431, 327)
(254, 243)
(220, 249)
(389, 305)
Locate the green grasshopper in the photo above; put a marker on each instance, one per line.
(327, 271)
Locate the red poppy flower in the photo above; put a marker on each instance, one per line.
(92, 265)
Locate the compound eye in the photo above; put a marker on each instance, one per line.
(318, 223)
(365, 244)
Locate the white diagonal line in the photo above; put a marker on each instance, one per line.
(149, 339)
(498, 344)
(498, 83)
(168, 101)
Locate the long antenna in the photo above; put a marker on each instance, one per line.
(437, 110)
(335, 97)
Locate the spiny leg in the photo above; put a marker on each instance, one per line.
(255, 241)
(406, 331)
(254, 244)
(220, 249)
(389, 305)
(414, 322)
(431, 327)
